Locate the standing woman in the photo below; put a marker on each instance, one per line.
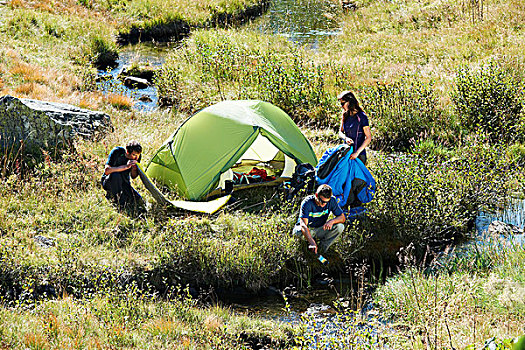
(355, 130)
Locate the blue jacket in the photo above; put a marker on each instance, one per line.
(342, 175)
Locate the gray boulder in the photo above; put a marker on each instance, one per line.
(135, 83)
(41, 124)
(502, 228)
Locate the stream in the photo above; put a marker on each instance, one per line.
(110, 81)
(304, 22)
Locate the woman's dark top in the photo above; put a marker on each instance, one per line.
(353, 128)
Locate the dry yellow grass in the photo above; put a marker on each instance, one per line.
(28, 72)
(36, 341)
(33, 90)
(45, 5)
(89, 101)
(119, 101)
(213, 323)
(16, 3)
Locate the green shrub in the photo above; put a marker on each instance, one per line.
(102, 52)
(221, 66)
(490, 100)
(422, 197)
(402, 112)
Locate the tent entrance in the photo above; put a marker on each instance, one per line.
(262, 154)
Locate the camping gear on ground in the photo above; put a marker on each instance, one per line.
(351, 182)
(201, 156)
(303, 177)
(255, 175)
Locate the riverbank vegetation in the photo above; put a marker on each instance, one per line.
(461, 299)
(442, 82)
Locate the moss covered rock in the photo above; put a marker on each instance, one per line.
(46, 125)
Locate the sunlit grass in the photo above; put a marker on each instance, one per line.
(468, 297)
(46, 52)
(28, 73)
(385, 40)
(193, 12)
(140, 322)
(45, 67)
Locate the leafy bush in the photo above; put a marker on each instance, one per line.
(402, 112)
(221, 66)
(490, 100)
(423, 197)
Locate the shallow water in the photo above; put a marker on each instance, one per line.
(305, 22)
(145, 100)
(513, 214)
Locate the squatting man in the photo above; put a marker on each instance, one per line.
(313, 223)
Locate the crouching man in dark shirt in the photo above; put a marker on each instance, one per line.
(313, 223)
(121, 166)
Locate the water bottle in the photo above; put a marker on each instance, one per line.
(322, 259)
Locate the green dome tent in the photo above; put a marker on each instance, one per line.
(200, 155)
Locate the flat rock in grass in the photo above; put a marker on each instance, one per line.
(44, 242)
(47, 125)
(142, 71)
(135, 83)
(502, 228)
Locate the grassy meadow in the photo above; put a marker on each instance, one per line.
(442, 82)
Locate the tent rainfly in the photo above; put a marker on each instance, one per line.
(210, 145)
